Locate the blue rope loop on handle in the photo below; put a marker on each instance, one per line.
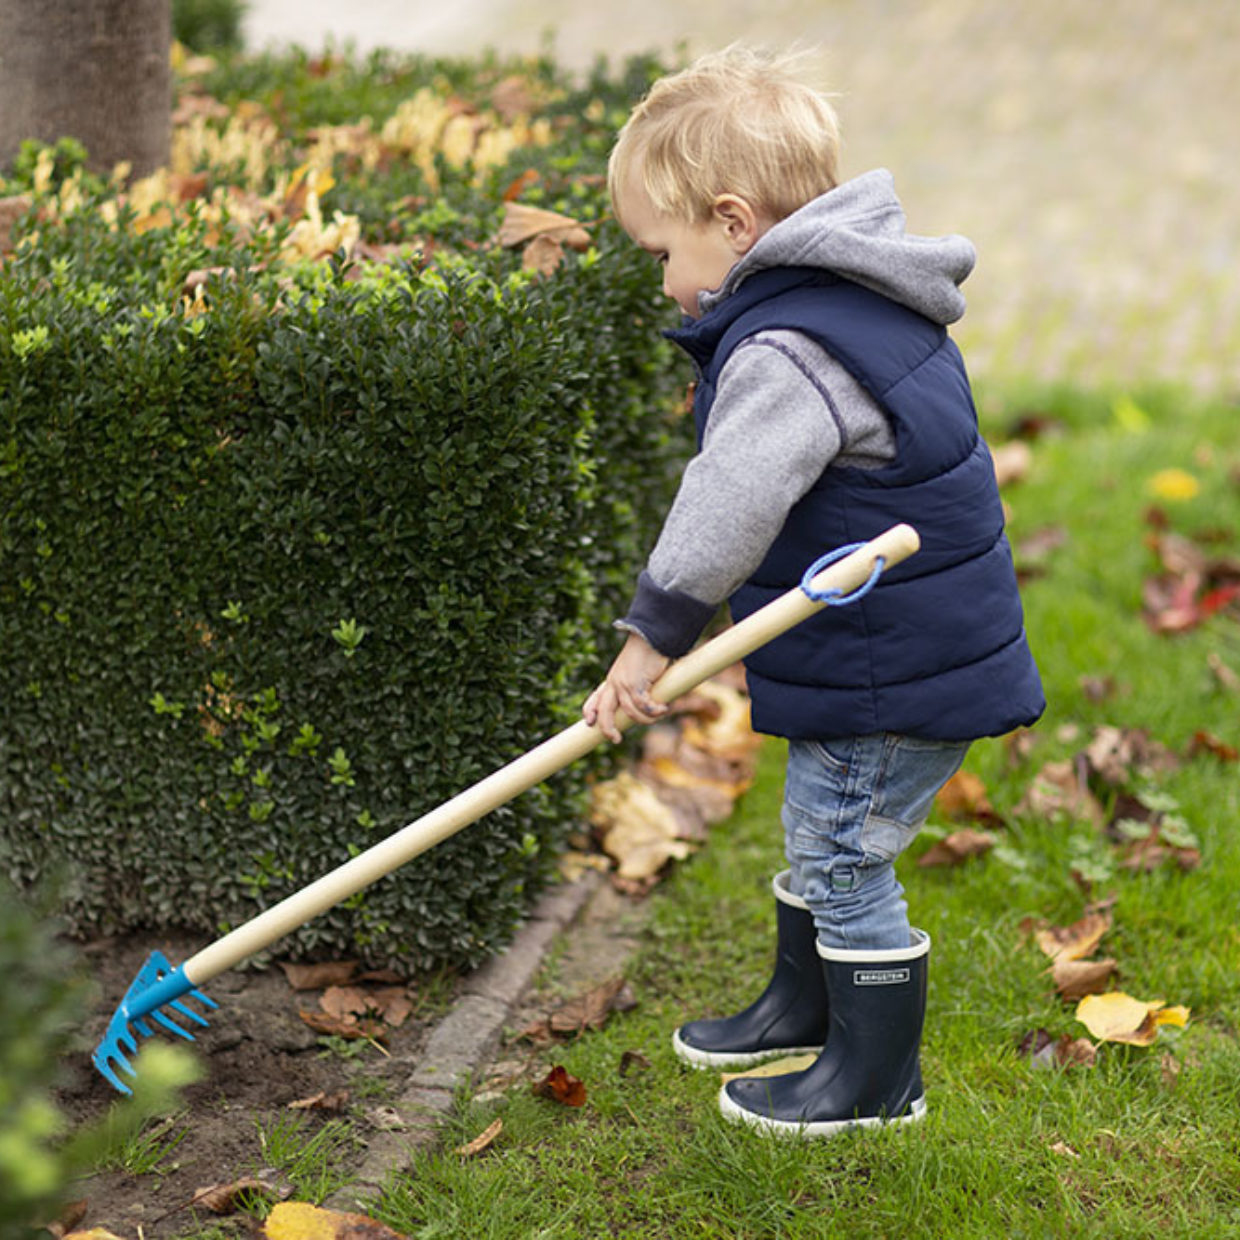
(832, 597)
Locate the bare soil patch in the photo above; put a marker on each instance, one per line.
(258, 1057)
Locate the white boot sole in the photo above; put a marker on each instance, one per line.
(819, 1128)
(696, 1058)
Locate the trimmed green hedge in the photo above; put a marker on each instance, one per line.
(284, 566)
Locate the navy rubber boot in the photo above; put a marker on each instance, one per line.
(869, 1072)
(788, 1018)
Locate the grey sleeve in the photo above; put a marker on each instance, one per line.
(784, 410)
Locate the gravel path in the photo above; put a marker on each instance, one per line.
(1088, 149)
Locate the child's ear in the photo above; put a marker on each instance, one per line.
(742, 225)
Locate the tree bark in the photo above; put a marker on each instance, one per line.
(95, 70)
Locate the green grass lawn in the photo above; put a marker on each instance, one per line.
(1144, 1143)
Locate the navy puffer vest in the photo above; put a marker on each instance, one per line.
(937, 650)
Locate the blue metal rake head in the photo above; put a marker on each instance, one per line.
(157, 985)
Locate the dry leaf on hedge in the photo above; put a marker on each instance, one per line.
(544, 254)
(957, 848)
(1076, 978)
(1117, 1017)
(560, 1087)
(523, 223)
(1076, 941)
(482, 1141)
(298, 1220)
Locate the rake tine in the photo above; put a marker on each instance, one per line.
(105, 1070)
(168, 1023)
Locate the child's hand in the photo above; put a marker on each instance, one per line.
(627, 688)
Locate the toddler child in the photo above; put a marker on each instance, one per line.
(830, 404)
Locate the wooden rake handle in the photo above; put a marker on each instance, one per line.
(523, 773)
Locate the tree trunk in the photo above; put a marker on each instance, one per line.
(95, 70)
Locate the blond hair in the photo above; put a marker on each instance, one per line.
(734, 122)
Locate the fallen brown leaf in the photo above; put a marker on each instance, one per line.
(1076, 941)
(1012, 461)
(322, 1101)
(1097, 688)
(633, 1061)
(1224, 676)
(335, 1027)
(481, 1141)
(957, 848)
(1059, 789)
(723, 728)
(1076, 978)
(70, 1216)
(590, 1010)
(559, 1086)
(228, 1198)
(1117, 755)
(1045, 1051)
(346, 1002)
(1207, 742)
(639, 831)
(319, 976)
(964, 797)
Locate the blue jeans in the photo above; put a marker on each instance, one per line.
(851, 806)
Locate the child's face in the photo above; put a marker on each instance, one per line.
(695, 257)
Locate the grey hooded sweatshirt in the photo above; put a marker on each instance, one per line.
(784, 409)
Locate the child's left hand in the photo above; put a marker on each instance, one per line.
(627, 688)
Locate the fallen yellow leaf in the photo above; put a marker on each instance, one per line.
(1117, 1017)
(298, 1220)
(1175, 485)
(1177, 1016)
(773, 1067)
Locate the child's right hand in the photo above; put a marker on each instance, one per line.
(627, 688)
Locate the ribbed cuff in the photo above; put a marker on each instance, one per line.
(669, 620)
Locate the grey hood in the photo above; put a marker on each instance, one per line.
(857, 231)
